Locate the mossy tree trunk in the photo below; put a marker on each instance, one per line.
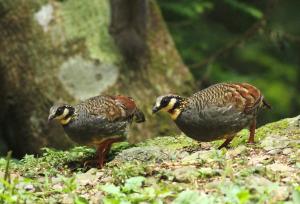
(70, 50)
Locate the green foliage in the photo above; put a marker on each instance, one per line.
(133, 191)
(235, 194)
(128, 170)
(27, 190)
(133, 184)
(245, 8)
(190, 197)
(296, 195)
(208, 173)
(51, 162)
(10, 193)
(188, 9)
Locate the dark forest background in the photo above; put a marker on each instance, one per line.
(250, 41)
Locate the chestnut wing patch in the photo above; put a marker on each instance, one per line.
(103, 107)
(113, 108)
(126, 103)
(245, 96)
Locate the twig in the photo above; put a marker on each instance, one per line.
(7, 174)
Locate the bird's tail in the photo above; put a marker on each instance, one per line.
(265, 104)
(139, 116)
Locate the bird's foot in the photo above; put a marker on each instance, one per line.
(251, 143)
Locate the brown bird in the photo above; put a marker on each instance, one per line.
(217, 112)
(98, 121)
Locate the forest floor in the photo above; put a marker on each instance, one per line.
(165, 170)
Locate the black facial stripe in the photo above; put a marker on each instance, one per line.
(164, 102)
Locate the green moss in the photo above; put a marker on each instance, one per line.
(118, 147)
(170, 142)
(51, 162)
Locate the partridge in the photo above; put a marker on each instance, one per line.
(98, 121)
(217, 112)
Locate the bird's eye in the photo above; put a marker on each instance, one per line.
(164, 102)
(60, 111)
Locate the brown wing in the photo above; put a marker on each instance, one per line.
(244, 96)
(110, 107)
(127, 103)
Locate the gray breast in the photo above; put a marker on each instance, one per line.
(85, 127)
(212, 123)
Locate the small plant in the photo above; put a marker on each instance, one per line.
(53, 162)
(13, 190)
(134, 191)
(127, 170)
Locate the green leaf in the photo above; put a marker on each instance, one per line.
(187, 197)
(246, 8)
(191, 197)
(112, 190)
(296, 195)
(112, 201)
(80, 200)
(133, 184)
(243, 196)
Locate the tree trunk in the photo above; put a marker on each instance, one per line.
(68, 51)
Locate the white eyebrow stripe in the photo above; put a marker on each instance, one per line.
(158, 101)
(157, 104)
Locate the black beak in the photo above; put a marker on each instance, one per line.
(50, 117)
(155, 109)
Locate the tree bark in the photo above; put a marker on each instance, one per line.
(68, 51)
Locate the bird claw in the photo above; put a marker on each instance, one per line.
(251, 144)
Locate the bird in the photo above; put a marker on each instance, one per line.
(98, 121)
(214, 113)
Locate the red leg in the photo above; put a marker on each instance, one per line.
(226, 143)
(100, 153)
(104, 147)
(110, 142)
(252, 132)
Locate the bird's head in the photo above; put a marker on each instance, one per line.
(168, 103)
(61, 112)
